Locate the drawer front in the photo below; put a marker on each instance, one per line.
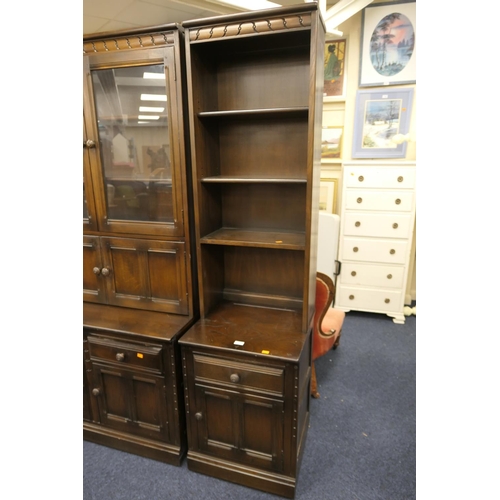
(382, 225)
(394, 201)
(373, 177)
(368, 299)
(125, 353)
(239, 375)
(367, 250)
(370, 275)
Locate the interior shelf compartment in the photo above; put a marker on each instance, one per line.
(294, 111)
(256, 238)
(248, 275)
(225, 179)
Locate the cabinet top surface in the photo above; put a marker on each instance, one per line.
(134, 321)
(263, 331)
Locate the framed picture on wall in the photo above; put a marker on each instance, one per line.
(331, 144)
(381, 118)
(388, 51)
(335, 69)
(328, 195)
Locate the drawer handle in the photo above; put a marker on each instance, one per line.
(387, 301)
(96, 270)
(357, 223)
(96, 392)
(398, 201)
(353, 273)
(359, 200)
(235, 378)
(389, 276)
(120, 356)
(355, 249)
(351, 297)
(400, 178)
(361, 178)
(392, 251)
(395, 225)
(198, 416)
(105, 271)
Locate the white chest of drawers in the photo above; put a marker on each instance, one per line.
(376, 230)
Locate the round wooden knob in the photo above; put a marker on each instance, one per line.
(120, 356)
(400, 178)
(389, 276)
(351, 297)
(198, 416)
(357, 223)
(359, 200)
(398, 201)
(96, 391)
(361, 178)
(392, 252)
(96, 270)
(235, 378)
(395, 225)
(89, 144)
(387, 301)
(105, 271)
(355, 249)
(353, 273)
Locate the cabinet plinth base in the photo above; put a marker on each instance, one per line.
(130, 444)
(239, 474)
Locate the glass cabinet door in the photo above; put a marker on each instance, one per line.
(133, 102)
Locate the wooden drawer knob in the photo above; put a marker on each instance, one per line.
(353, 273)
(355, 249)
(392, 251)
(400, 178)
(387, 301)
(357, 223)
(234, 378)
(351, 297)
(359, 200)
(398, 201)
(198, 416)
(96, 392)
(120, 356)
(395, 225)
(389, 276)
(361, 178)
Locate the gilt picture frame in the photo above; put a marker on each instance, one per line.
(328, 188)
(335, 66)
(380, 116)
(388, 49)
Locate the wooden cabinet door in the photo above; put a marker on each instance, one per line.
(239, 427)
(93, 289)
(131, 401)
(145, 274)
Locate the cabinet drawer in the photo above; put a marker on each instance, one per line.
(372, 275)
(237, 374)
(394, 201)
(383, 225)
(367, 299)
(371, 250)
(137, 355)
(373, 177)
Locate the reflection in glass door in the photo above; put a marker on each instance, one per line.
(132, 109)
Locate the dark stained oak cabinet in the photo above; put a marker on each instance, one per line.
(254, 84)
(138, 263)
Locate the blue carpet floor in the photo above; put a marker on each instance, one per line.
(361, 443)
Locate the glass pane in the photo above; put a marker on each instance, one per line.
(132, 113)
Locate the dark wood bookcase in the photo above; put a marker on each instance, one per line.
(139, 282)
(254, 84)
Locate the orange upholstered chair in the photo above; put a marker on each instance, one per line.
(327, 326)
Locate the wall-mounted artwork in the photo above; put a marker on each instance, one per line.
(388, 51)
(331, 144)
(328, 195)
(335, 68)
(379, 116)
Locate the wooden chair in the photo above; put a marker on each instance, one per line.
(327, 327)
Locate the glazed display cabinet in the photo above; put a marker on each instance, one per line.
(138, 274)
(254, 85)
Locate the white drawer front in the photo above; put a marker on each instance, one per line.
(384, 225)
(366, 250)
(367, 299)
(372, 177)
(353, 273)
(397, 201)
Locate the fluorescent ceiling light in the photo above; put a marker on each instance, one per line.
(153, 97)
(148, 117)
(148, 109)
(154, 76)
(248, 4)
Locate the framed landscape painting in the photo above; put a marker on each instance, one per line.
(379, 116)
(331, 144)
(388, 51)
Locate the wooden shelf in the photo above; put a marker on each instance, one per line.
(256, 238)
(228, 179)
(292, 111)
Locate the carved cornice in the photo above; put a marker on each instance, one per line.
(232, 30)
(127, 42)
